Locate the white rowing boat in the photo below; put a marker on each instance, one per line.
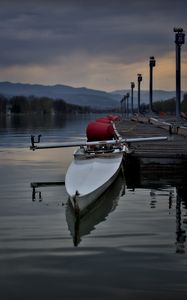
(91, 173)
(96, 163)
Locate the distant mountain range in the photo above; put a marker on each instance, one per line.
(81, 96)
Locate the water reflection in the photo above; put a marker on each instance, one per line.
(138, 250)
(15, 130)
(161, 178)
(180, 231)
(36, 185)
(156, 193)
(34, 121)
(80, 226)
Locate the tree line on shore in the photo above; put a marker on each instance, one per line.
(42, 105)
(167, 106)
(45, 105)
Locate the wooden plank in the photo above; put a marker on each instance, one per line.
(174, 148)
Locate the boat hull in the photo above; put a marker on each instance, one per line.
(98, 212)
(88, 177)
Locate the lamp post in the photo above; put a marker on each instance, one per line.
(132, 87)
(127, 105)
(152, 64)
(179, 41)
(139, 81)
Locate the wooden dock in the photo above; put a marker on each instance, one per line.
(170, 152)
(173, 148)
(155, 160)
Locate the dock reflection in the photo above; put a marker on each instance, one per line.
(162, 177)
(37, 193)
(81, 226)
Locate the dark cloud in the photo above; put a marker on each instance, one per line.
(43, 32)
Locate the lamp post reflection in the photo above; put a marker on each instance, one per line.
(180, 232)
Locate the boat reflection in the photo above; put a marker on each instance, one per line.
(80, 226)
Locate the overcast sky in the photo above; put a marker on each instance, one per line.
(99, 44)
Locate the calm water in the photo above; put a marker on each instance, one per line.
(132, 245)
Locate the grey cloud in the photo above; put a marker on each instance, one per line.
(42, 32)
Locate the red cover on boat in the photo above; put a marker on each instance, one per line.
(103, 120)
(96, 131)
(113, 118)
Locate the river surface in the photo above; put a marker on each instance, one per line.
(131, 246)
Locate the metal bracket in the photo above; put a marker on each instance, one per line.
(33, 141)
(34, 192)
